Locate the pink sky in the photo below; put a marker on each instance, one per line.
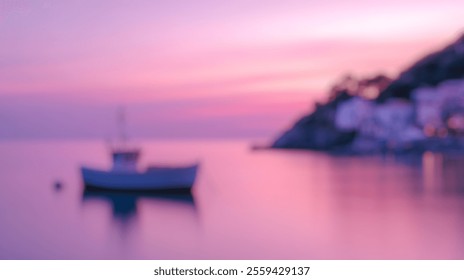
(255, 65)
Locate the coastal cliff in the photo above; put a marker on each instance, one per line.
(422, 109)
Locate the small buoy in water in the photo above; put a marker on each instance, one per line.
(58, 185)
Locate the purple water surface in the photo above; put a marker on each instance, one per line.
(246, 205)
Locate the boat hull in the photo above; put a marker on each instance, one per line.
(155, 179)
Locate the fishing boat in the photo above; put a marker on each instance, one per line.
(125, 175)
(154, 178)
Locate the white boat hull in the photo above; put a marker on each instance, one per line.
(153, 179)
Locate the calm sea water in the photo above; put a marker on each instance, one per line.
(246, 205)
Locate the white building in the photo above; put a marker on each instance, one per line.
(391, 122)
(352, 113)
(439, 107)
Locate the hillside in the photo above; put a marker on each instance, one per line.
(423, 109)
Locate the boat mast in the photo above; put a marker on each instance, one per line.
(121, 118)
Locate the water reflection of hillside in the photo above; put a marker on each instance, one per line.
(443, 173)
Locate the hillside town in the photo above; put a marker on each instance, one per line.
(421, 110)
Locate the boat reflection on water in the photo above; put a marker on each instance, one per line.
(124, 204)
(143, 223)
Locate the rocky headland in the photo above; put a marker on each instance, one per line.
(421, 110)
